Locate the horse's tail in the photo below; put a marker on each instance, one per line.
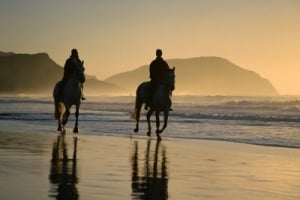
(140, 99)
(135, 110)
(138, 102)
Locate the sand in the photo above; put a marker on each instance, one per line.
(49, 166)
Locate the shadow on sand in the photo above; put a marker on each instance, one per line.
(149, 172)
(63, 173)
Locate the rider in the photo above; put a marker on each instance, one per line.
(69, 68)
(158, 70)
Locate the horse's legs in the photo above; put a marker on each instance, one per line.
(157, 122)
(59, 126)
(137, 111)
(75, 130)
(149, 113)
(62, 122)
(60, 112)
(166, 115)
(65, 115)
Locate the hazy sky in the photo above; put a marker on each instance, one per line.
(113, 36)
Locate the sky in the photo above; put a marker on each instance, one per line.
(114, 36)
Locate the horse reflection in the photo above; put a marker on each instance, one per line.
(63, 174)
(149, 180)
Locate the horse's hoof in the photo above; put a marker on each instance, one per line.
(158, 138)
(159, 131)
(149, 133)
(136, 130)
(63, 132)
(75, 130)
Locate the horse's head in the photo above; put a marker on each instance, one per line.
(79, 72)
(169, 81)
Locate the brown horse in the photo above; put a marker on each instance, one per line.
(161, 102)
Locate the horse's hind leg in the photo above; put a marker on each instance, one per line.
(137, 116)
(75, 130)
(157, 123)
(60, 112)
(149, 113)
(61, 127)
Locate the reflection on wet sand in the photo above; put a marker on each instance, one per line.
(63, 174)
(150, 172)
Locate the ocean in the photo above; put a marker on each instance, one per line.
(267, 121)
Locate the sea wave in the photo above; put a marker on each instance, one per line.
(244, 117)
(260, 121)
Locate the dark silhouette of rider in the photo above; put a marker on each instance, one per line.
(69, 69)
(158, 70)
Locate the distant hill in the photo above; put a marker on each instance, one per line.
(203, 76)
(38, 73)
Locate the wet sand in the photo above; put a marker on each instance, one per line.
(49, 166)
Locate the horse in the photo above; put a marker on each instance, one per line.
(161, 102)
(71, 95)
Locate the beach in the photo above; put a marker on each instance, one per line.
(51, 166)
(213, 148)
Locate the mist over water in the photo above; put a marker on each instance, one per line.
(272, 121)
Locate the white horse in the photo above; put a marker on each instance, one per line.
(161, 102)
(71, 95)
